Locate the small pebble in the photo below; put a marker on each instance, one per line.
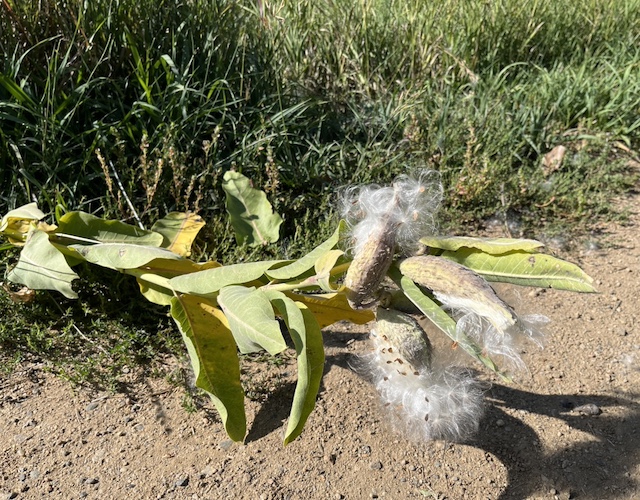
(592, 246)
(376, 465)
(92, 480)
(183, 481)
(500, 422)
(91, 406)
(588, 409)
(226, 444)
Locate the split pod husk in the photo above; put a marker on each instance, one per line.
(459, 288)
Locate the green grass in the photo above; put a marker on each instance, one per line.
(305, 97)
(101, 340)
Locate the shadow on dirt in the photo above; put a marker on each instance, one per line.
(275, 410)
(272, 413)
(597, 467)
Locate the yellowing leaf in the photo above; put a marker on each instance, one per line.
(29, 212)
(329, 308)
(214, 358)
(17, 223)
(160, 293)
(179, 230)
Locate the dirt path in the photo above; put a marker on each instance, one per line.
(537, 439)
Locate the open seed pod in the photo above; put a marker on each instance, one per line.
(459, 288)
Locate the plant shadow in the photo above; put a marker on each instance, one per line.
(596, 467)
(273, 412)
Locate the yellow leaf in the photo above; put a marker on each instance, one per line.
(179, 230)
(328, 308)
(167, 268)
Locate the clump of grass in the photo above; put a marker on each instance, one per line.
(96, 341)
(303, 97)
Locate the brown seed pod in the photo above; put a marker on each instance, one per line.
(403, 339)
(370, 266)
(458, 287)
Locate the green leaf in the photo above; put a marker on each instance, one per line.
(307, 338)
(523, 268)
(493, 246)
(17, 92)
(330, 308)
(299, 267)
(121, 255)
(178, 231)
(252, 319)
(29, 212)
(250, 212)
(90, 227)
(323, 267)
(443, 321)
(210, 281)
(214, 358)
(42, 267)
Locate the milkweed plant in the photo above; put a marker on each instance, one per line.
(385, 265)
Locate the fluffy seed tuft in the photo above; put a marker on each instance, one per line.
(425, 402)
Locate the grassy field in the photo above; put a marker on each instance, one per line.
(98, 101)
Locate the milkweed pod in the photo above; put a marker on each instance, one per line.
(369, 267)
(459, 288)
(400, 337)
